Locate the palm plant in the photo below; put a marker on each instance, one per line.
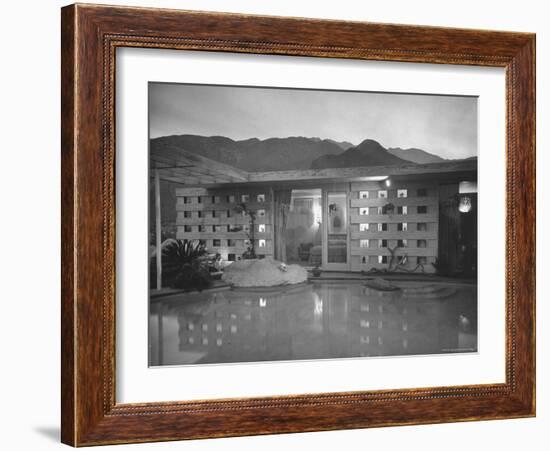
(183, 264)
(181, 252)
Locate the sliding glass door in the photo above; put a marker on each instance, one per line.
(336, 247)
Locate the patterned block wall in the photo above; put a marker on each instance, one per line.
(211, 215)
(383, 217)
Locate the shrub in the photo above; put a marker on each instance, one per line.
(193, 277)
(180, 260)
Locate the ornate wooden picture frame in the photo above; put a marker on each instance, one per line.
(90, 37)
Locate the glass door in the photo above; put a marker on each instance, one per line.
(303, 229)
(337, 226)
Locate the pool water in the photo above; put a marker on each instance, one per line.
(314, 321)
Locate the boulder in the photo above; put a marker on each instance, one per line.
(264, 272)
(381, 284)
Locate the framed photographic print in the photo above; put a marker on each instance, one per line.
(279, 225)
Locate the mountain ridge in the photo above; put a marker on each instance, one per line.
(294, 152)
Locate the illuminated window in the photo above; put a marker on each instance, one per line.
(363, 194)
(261, 198)
(422, 209)
(261, 228)
(245, 197)
(261, 243)
(364, 243)
(364, 211)
(402, 210)
(402, 227)
(401, 243)
(382, 259)
(380, 210)
(383, 194)
(364, 227)
(261, 213)
(402, 193)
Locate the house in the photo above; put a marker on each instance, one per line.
(342, 219)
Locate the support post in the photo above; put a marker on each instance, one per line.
(158, 230)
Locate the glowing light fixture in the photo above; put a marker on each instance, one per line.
(388, 182)
(465, 204)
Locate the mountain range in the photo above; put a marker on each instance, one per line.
(278, 154)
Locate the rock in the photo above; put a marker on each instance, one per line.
(264, 272)
(381, 284)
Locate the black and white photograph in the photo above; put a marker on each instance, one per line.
(297, 224)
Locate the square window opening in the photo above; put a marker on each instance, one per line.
(421, 227)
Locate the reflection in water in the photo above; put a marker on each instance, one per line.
(315, 321)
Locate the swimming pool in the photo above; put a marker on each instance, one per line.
(316, 321)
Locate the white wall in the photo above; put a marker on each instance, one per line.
(30, 223)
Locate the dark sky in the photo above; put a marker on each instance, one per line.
(443, 125)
